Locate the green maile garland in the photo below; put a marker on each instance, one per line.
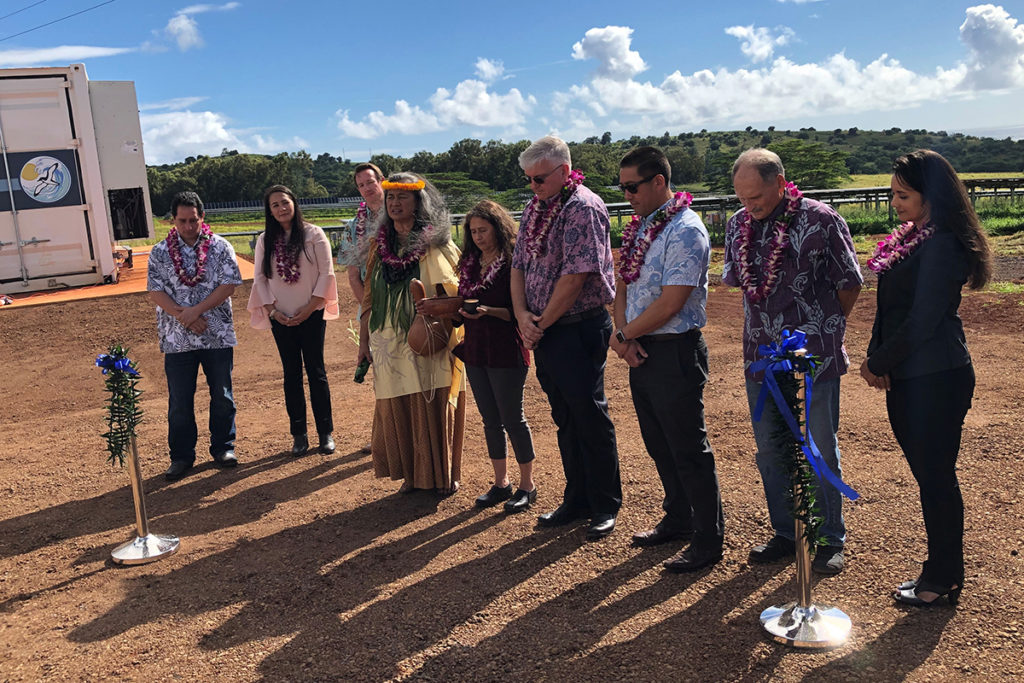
(123, 411)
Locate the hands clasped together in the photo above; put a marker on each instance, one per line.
(873, 380)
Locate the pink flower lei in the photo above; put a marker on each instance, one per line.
(470, 271)
(202, 249)
(417, 248)
(899, 244)
(780, 240)
(633, 250)
(286, 260)
(361, 214)
(536, 231)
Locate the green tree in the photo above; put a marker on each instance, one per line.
(811, 164)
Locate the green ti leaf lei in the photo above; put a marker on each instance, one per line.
(121, 378)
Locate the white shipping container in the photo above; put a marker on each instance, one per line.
(72, 177)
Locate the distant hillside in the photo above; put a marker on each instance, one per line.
(471, 167)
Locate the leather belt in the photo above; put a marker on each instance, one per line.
(580, 317)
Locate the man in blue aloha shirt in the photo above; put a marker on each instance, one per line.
(659, 309)
(192, 275)
(809, 284)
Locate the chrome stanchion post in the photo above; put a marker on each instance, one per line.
(145, 547)
(803, 623)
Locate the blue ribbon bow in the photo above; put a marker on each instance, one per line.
(780, 357)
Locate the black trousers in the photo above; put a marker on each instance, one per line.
(304, 345)
(927, 417)
(668, 394)
(570, 367)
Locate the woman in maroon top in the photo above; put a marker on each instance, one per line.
(495, 358)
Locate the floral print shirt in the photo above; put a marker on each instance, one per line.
(221, 269)
(679, 255)
(578, 242)
(819, 262)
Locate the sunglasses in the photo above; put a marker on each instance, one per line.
(633, 187)
(539, 179)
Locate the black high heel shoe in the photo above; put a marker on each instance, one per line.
(909, 596)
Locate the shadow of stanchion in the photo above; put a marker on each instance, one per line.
(165, 502)
(902, 648)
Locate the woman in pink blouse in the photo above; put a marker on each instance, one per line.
(293, 294)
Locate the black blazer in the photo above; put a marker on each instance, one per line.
(917, 330)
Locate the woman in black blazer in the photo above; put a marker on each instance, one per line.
(918, 353)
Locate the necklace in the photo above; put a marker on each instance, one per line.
(899, 244)
(414, 252)
(287, 260)
(202, 248)
(535, 232)
(361, 214)
(780, 240)
(472, 269)
(634, 248)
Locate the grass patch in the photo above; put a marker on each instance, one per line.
(883, 179)
(1004, 288)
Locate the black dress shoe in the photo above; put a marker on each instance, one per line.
(496, 495)
(660, 534)
(561, 515)
(300, 444)
(520, 501)
(828, 560)
(226, 459)
(691, 559)
(600, 526)
(326, 444)
(177, 470)
(779, 548)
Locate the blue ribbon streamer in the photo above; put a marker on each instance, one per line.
(778, 357)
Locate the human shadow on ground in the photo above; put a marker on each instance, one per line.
(696, 644)
(904, 647)
(172, 505)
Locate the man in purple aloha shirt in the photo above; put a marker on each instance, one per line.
(817, 283)
(562, 280)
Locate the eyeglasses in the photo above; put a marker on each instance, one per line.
(539, 179)
(633, 187)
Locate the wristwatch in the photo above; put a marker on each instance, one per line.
(620, 336)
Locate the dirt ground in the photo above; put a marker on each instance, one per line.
(311, 569)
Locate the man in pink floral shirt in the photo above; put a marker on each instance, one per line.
(809, 284)
(562, 280)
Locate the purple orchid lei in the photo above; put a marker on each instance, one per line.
(415, 253)
(470, 270)
(634, 250)
(287, 262)
(361, 214)
(899, 244)
(535, 233)
(780, 240)
(202, 249)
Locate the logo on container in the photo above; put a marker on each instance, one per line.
(45, 179)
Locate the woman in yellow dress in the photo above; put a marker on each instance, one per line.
(419, 414)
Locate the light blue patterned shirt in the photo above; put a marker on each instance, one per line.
(679, 255)
(221, 269)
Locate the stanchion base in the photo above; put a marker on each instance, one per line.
(816, 626)
(145, 549)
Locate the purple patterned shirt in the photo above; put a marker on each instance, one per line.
(819, 262)
(578, 242)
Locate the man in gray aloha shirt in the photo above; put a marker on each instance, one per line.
(818, 280)
(192, 275)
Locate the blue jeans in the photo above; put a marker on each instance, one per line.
(182, 371)
(824, 423)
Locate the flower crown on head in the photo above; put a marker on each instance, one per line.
(411, 187)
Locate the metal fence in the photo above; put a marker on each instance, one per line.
(714, 210)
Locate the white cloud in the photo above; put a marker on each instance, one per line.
(759, 43)
(783, 89)
(62, 54)
(610, 47)
(172, 136)
(184, 30)
(470, 104)
(996, 44)
(199, 9)
(488, 70)
(176, 104)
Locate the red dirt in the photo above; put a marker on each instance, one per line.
(311, 569)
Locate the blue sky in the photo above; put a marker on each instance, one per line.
(399, 77)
